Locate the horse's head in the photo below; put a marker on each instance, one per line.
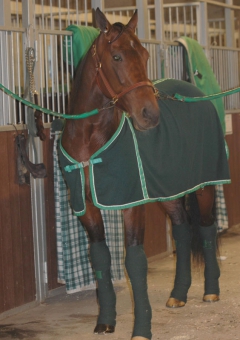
(121, 61)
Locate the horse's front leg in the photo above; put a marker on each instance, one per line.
(182, 236)
(208, 235)
(101, 264)
(136, 266)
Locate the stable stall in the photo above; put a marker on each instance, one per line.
(39, 253)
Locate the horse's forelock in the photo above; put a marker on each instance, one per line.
(120, 28)
(118, 24)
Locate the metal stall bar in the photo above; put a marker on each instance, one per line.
(159, 20)
(4, 76)
(54, 78)
(222, 61)
(154, 64)
(181, 19)
(37, 185)
(119, 14)
(11, 75)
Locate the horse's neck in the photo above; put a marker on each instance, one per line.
(83, 137)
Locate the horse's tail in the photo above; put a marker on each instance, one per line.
(194, 220)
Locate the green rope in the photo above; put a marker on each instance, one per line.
(49, 112)
(96, 111)
(209, 97)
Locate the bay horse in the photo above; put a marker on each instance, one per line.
(113, 78)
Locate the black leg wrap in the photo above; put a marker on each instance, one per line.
(212, 271)
(182, 236)
(101, 262)
(136, 265)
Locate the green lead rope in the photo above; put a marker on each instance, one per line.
(209, 97)
(96, 111)
(49, 112)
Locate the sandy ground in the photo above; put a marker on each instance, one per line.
(73, 317)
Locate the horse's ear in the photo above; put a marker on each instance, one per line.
(132, 24)
(101, 21)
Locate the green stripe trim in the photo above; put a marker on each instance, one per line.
(72, 160)
(158, 81)
(139, 161)
(160, 199)
(91, 168)
(111, 140)
(82, 175)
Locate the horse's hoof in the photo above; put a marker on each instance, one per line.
(104, 329)
(139, 338)
(211, 298)
(174, 303)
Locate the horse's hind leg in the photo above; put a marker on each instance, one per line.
(101, 263)
(136, 265)
(182, 236)
(208, 235)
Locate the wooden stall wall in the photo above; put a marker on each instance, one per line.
(232, 191)
(155, 240)
(17, 275)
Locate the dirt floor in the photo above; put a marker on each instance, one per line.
(73, 317)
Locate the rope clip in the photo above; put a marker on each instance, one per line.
(156, 92)
(94, 50)
(114, 100)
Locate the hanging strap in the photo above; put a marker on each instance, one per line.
(30, 89)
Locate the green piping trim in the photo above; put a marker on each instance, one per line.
(158, 81)
(139, 161)
(82, 175)
(111, 140)
(91, 172)
(160, 199)
(44, 110)
(66, 154)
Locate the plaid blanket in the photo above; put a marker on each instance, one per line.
(220, 209)
(74, 267)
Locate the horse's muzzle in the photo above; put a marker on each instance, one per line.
(146, 124)
(148, 119)
(151, 118)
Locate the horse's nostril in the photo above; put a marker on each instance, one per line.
(149, 115)
(144, 113)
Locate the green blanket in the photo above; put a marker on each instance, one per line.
(201, 74)
(186, 151)
(78, 45)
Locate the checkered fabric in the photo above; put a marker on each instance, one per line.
(74, 268)
(220, 209)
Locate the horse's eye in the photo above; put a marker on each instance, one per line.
(117, 57)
